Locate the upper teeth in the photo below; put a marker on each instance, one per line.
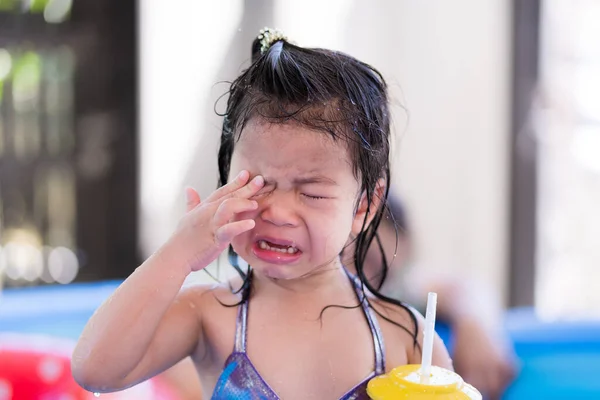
(265, 246)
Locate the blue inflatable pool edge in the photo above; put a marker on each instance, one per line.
(558, 360)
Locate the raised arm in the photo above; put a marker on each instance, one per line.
(125, 340)
(147, 325)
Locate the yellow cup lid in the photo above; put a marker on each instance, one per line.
(405, 382)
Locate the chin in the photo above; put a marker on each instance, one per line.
(277, 271)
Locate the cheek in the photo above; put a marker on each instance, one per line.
(331, 230)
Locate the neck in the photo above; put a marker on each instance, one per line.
(327, 280)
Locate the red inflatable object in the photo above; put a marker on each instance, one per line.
(39, 368)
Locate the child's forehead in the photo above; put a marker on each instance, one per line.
(295, 134)
(291, 147)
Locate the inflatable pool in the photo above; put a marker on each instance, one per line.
(558, 360)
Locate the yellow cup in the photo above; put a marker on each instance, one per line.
(404, 382)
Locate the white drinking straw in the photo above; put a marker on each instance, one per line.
(429, 333)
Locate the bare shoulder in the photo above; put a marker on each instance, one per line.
(402, 328)
(394, 314)
(216, 306)
(205, 297)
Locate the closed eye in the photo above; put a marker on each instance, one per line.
(314, 197)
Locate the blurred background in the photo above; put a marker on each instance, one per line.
(107, 112)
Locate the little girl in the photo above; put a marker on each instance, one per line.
(303, 166)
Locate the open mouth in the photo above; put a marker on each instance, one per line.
(273, 251)
(285, 249)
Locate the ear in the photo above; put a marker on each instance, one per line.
(365, 210)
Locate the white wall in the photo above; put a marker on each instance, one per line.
(181, 50)
(448, 63)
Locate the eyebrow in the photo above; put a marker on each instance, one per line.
(315, 179)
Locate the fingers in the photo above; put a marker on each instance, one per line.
(192, 198)
(240, 187)
(231, 187)
(222, 206)
(232, 206)
(248, 190)
(226, 212)
(227, 232)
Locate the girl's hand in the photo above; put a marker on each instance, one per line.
(209, 226)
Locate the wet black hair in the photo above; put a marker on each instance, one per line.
(326, 91)
(396, 214)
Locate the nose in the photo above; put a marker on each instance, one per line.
(279, 210)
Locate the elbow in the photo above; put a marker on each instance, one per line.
(83, 373)
(90, 376)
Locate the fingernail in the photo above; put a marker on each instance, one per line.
(188, 195)
(258, 180)
(243, 175)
